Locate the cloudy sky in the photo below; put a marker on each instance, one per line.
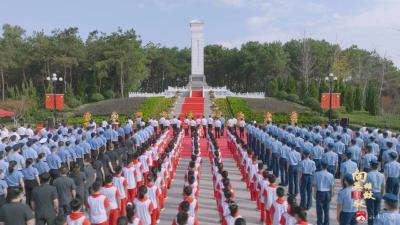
(370, 24)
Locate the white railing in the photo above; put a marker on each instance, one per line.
(141, 94)
(219, 92)
(259, 95)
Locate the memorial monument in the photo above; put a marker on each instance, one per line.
(197, 80)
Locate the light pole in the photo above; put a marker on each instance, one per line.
(330, 79)
(54, 79)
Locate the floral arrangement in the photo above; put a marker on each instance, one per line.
(268, 118)
(114, 117)
(189, 114)
(87, 116)
(138, 114)
(293, 118)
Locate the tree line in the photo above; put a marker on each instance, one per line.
(109, 65)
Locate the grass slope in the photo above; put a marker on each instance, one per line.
(274, 105)
(126, 106)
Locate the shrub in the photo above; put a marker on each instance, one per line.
(109, 94)
(335, 114)
(313, 104)
(281, 95)
(96, 97)
(293, 98)
(73, 102)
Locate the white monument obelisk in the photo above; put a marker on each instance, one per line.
(197, 78)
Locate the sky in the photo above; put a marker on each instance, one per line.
(369, 24)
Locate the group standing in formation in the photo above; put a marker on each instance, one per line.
(99, 175)
(307, 160)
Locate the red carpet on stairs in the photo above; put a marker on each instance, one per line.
(194, 104)
(223, 145)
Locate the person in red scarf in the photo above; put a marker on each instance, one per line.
(77, 216)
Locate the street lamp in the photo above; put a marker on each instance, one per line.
(330, 79)
(54, 79)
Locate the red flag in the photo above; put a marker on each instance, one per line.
(49, 101)
(325, 100)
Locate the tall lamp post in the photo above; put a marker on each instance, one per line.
(54, 79)
(330, 79)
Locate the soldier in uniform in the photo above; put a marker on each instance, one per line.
(389, 216)
(323, 184)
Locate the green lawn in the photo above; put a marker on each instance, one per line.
(387, 121)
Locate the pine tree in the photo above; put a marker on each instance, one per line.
(303, 89)
(358, 100)
(372, 99)
(348, 99)
(290, 85)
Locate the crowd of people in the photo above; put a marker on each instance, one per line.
(105, 174)
(120, 174)
(307, 160)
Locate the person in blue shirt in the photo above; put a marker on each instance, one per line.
(283, 164)
(391, 215)
(340, 148)
(392, 174)
(377, 180)
(3, 189)
(54, 162)
(307, 170)
(375, 146)
(222, 119)
(316, 153)
(346, 211)
(41, 164)
(275, 156)
(348, 166)
(29, 152)
(356, 151)
(31, 179)
(385, 154)
(323, 185)
(79, 153)
(367, 158)
(332, 159)
(14, 177)
(293, 160)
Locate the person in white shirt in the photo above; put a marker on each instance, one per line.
(242, 124)
(192, 126)
(204, 125)
(210, 122)
(217, 127)
(29, 132)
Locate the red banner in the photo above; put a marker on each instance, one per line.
(325, 98)
(49, 102)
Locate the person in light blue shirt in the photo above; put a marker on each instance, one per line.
(392, 174)
(385, 154)
(41, 164)
(391, 215)
(29, 152)
(377, 180)
(54, 162)
(283, 163)
(332, 159)
(3, 163)
(14, 177)
(367, 158)
(276, 145)
(79, 153)
(346, 137)
(346, 212)
(3, 189)
(293, 158)
(375, 146)
(316, 153)
(355, 150)
(323, 185)
(307, 170)
(348, 166)
(307, 144)
(359, 140)
(328, 140)
(31, 179)
(222, 119)
(85, 146)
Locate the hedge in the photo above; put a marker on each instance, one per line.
(150, 107)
